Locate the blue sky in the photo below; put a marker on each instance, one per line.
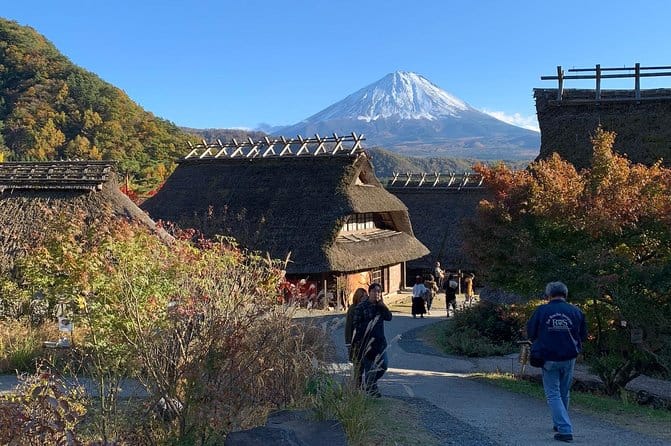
(240, 63)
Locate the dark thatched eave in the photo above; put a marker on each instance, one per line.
(280, 204)
(356, 256)
(26, 212)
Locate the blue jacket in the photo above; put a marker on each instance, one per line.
(557, 330)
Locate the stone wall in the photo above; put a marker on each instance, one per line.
(643, 127)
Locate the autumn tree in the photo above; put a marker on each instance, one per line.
(606, 232)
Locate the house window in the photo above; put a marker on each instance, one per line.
(376, 277)
(359, 222)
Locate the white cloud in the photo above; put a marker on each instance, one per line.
(527, 122)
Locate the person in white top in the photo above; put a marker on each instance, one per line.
(419, 292)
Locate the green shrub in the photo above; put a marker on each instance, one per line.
(469, 342)
(484, 330)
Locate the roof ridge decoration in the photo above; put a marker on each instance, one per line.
(79, 175)
(435, 180)
(278, 147)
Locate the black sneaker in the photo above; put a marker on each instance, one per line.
(566, 438)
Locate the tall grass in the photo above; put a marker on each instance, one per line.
(21, 345)
(342, 401)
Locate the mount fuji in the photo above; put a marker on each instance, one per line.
(406, 113)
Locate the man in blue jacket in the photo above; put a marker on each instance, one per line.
(557, 330)
(369, 340)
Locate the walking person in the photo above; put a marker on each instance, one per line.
(450, 295)
(557, 330)
(468, 288)
(439, 275)
(359, 296)
(418, 295)
(431, 290)
(368, 338)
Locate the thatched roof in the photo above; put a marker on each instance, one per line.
(290, 204)
(65, 175)
(438, 212)
(34, 194)
(643, 126)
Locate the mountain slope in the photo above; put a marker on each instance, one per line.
(52, 109)
(406, 113)
(386, 163)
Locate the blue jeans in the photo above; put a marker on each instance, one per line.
(557, 379)
(373, 369)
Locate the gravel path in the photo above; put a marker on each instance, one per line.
(460, 410)
(449, 429)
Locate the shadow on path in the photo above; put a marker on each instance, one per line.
(466, 411)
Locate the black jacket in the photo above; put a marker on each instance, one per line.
(368, 322)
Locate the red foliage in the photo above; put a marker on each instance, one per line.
(130, 193)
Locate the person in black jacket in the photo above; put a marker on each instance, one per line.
(557, 330)
(359, 296)
(450, 286)
(368, 338)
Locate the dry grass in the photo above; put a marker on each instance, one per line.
(21, 345)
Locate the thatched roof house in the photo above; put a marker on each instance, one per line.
(439, 205)
(312, 200)
(34, 193)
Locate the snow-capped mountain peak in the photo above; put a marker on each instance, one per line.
(406, 112)
(400, 95)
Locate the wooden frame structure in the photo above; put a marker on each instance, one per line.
(435, 180)
(266, 147)
(619, 73)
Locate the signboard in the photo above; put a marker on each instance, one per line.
(636, 336)
(65, 324)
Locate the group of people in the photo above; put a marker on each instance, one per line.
(364, 337)
(557, 330)
(426, 288)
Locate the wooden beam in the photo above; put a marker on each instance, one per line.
(598, 82)
(320, 147)
(637, 81)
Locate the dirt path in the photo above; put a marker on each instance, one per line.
(504, 418)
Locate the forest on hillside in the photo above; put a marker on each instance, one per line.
(386, 163)
(52, 109)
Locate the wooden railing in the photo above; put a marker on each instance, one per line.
(598, 76)
(435, 180)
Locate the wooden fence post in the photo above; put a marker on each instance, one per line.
(637, 81)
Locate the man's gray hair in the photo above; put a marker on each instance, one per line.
(556, 289)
